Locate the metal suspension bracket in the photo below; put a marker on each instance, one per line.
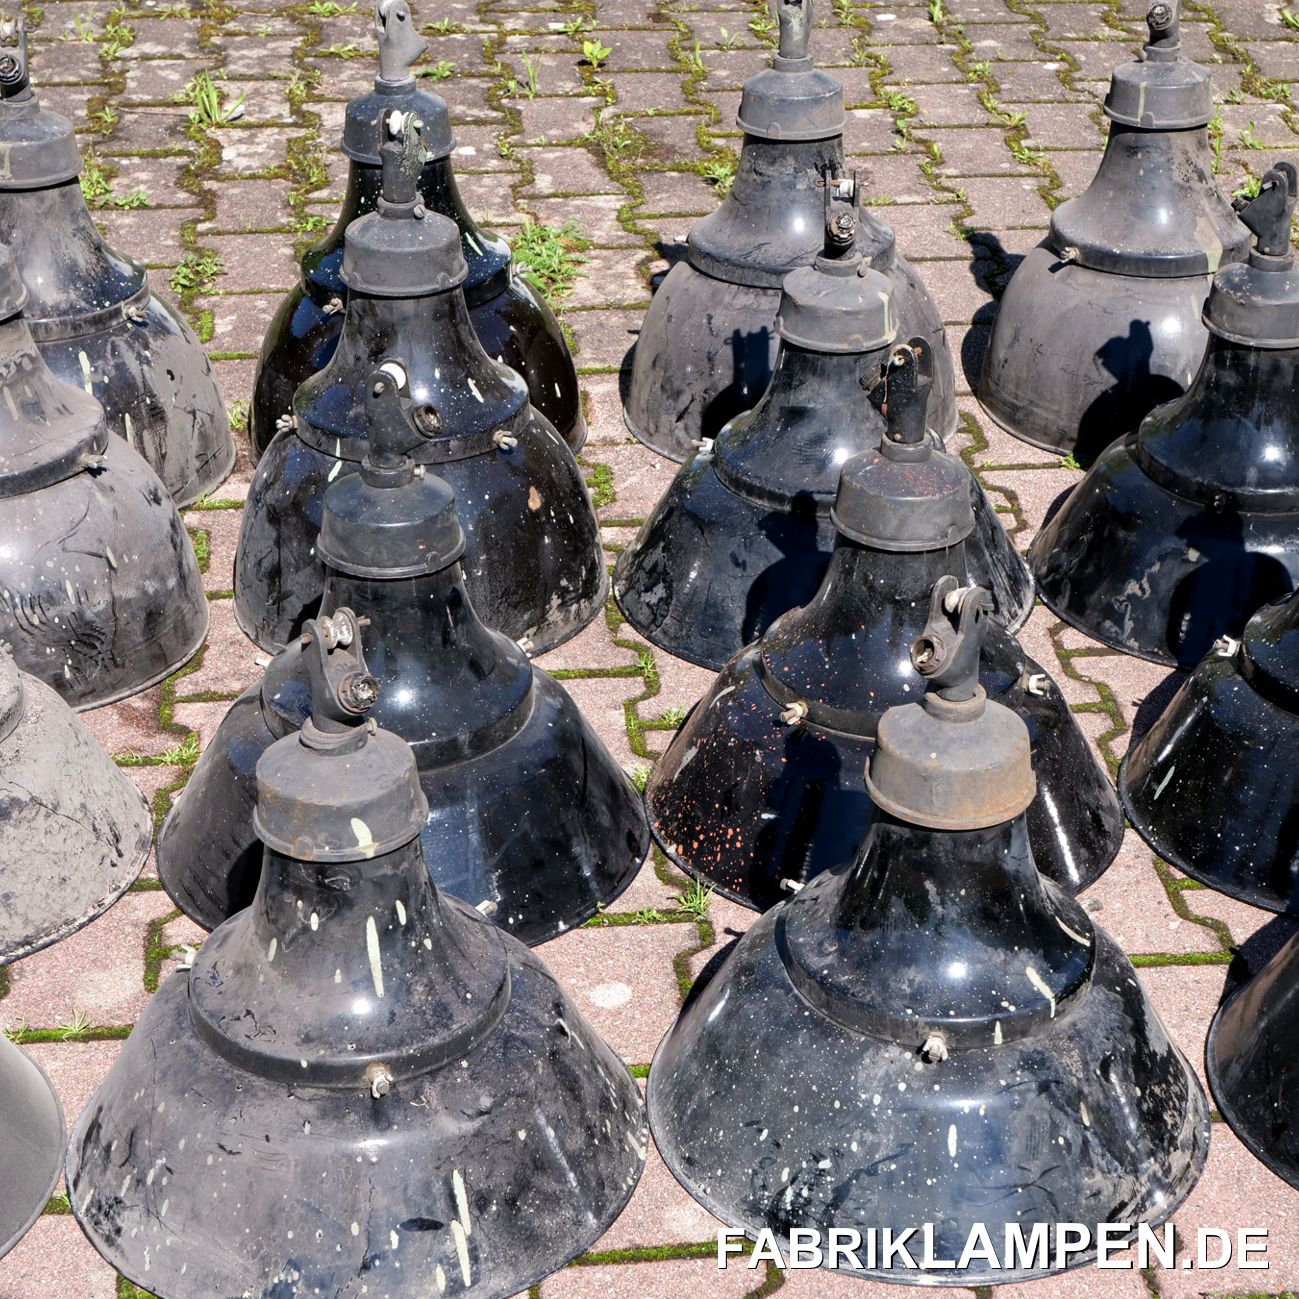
(15, 81)
(795, 19)
(399, 43)
(342, 688)
(947, 652)
(1270, 213)
(1164, 22)
(842, 218)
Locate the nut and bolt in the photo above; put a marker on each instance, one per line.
(934, 1050)
(380, 1080)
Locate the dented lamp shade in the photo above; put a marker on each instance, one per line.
(1213, 785)
(532, 561)
(510, 317)
(744, 531)
(1250, 1060)
(100, 592)
(91, 310)
(32, 1137)
(1180, 531)
(74, 831)
(762, 789)
(1101, 322)
(530, 818)
(708, 344)
(421, 1110)
(935, 1034)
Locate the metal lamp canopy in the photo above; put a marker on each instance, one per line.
(744, 531)
(91, 309)
(1250, 1062)
(762, 789)
(361, 1083)
(1213, 785)
(1180, 531)
(74, 831)
(32, 1137)
(1101, 322)
(530, 817)
(509, 315)
(708, 344)
(100, 592)
(532, 559)
(935, 1034)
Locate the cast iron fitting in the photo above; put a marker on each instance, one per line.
(39, 147)
(904, 496)
(1162, 91)
(394, 519)
(402, 250)
(341, 790)
(793, 99)
(843, 213)
(837, 305)
(13, 58)
(395, 90)
(958, 761)
(1256, 303)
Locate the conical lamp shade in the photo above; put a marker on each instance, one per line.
(74, 831)
(935, 1035)
(1180, 531)
(1213, 785)
(1101, 322)
(100, 592)
(533, 560)
(743, 533)
(31, 1143)
(92, 309)
(529, 814)
(510, 317)
(361, 1084)
(1250, 1060)
(707, 347)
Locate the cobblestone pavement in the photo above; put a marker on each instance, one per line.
(971, 119)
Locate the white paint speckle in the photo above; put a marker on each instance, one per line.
(372, 948)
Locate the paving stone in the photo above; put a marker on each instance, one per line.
(548, 120)
(823, 1284)
(1237, 1191)
(661, 1212)
(678, 1279)
(641, 477)
(232, 662)
(644, 92)
(76, 1069)
(96, 976)
(247, 205)
(158, 80)
(1131, 904)
(150, 235)
(1186, 998)
(620, 977)
(55, 1257)
(568, 171)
